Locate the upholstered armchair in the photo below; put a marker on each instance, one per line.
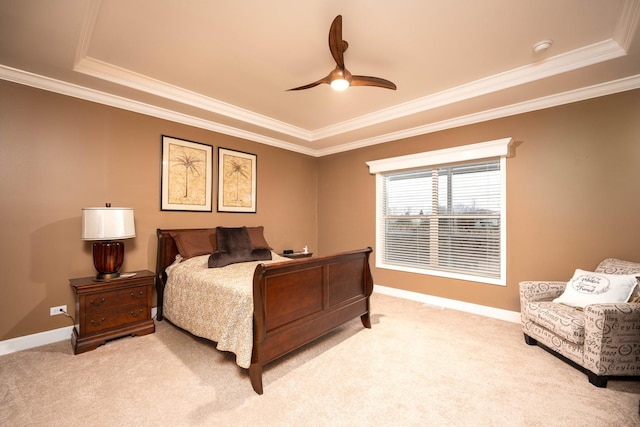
(601, 339)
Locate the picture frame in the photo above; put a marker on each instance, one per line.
(237, 181)
(187, 175)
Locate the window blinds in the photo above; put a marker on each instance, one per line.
(445, 219)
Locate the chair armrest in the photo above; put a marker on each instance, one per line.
(540, 291)
(612, 338)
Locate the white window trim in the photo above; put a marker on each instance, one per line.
(483, 150)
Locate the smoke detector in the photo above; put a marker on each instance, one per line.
(542, 46)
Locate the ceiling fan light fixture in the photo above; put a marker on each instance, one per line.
(339, 84)
(340, 78)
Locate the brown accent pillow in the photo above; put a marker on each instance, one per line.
(222, 259)
(192, 243)
(233, 239)
(261, 254)
(256, 234)
(234, 245)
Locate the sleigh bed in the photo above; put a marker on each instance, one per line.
(259, 309)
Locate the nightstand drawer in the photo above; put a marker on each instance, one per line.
(106, 300)
(118, 317)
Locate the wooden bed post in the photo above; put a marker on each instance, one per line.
(255, 374)
(161, 278)
(259, 329)
(366, 320)
(368, 289)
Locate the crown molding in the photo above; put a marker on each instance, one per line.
(92, 10)
(76, 91)
(603, 89)
(579, 58)
(628, 21)
(64, 88)
(123, 77)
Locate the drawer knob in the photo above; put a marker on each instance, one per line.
(94, 323)
(134, 314)
(97, 304)
(133, 295)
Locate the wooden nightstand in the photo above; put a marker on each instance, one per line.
(113, 309)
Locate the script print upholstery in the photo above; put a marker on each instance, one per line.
(602, 338)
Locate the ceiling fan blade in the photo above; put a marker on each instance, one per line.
(340, 78)
(336, 44)
(372, 81)
(314, 84)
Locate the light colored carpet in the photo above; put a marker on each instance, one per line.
(417, 366)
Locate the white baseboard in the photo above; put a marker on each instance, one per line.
(41, 338)
(35, 340)
(496, 313)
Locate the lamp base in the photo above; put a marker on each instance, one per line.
(105, 277)
(108, 257)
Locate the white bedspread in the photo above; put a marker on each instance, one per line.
(214, 303)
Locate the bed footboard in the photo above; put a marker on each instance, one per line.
(298, 301)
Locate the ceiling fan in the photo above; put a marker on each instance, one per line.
(340, 78)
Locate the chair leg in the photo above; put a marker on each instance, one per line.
(597, 380)
(529, 340)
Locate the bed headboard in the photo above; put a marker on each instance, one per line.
(166, 255)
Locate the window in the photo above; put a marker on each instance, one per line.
(442, 216)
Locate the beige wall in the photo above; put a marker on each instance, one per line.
(573, 195)
(59, 154)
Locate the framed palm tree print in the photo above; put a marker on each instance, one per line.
(237, 173)
(187, 175)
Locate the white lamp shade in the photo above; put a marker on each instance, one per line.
(107, 223)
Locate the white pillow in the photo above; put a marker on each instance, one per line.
(586, 288)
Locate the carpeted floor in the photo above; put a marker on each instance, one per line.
(417, 366)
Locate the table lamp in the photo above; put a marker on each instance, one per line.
(105, 225)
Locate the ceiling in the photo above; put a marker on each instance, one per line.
(225, 65)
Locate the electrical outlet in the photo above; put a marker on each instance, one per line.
(54, 311)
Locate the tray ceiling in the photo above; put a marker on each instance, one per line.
(225, 66)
